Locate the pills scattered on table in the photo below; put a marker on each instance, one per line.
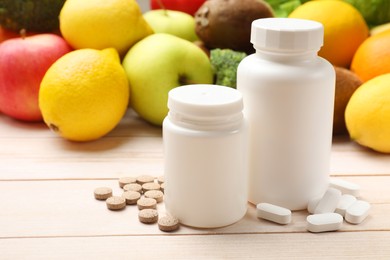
(168, 223)
(102, 193)
(146, 203)
(148, 216)
(348, 207)
(328, 211)
(116, 203)
(126, 180)
(158, 195)
(131, 197)
(324, 222)
(273, 213)
(357, 212)
(144, 191)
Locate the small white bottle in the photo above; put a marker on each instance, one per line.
(288, 96)
(204, 138)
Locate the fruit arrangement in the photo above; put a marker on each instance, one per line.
(78, 65)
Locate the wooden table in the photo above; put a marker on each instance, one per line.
(48, 211)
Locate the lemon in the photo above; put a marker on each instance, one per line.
(344, 28)
(367, 115)
(101, 24)
(84, 94)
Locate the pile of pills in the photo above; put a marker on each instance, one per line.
(144, 191)
(328, 211)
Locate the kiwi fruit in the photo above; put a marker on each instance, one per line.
(226, 24)
(346, 84)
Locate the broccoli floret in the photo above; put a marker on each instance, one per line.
(282, 8)
(225, 63)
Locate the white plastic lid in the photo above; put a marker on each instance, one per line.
(204, 101)
(287, 34)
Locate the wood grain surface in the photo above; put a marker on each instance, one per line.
(48, 211)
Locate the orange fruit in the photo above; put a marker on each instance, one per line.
(344, 28)
(373, 57)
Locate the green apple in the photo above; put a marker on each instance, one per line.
(172, 22)
(159, 63)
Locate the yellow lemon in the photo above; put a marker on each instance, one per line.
(344, 28)
(101, 24)
(84, 94)
(367, 115)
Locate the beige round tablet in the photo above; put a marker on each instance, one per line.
(160, 179)
(126, 180)
(158, 195)
(102, 193)
(115, 203)
(131, 197)
(133, 187)
(146, 203)
(168, 224)
(144, 179)
(162, 187)
(148, 216)
(150, 186)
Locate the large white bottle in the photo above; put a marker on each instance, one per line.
(288, 94)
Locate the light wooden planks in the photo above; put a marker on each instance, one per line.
(339, 245)
(130, 125)
(349, 158)
(68, 208)
(47, 207)
(31, 151)
(38, 169)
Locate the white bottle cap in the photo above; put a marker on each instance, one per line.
(204, 102)
(287, 34)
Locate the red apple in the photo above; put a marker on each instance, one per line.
(23, 63)
(187, 6)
